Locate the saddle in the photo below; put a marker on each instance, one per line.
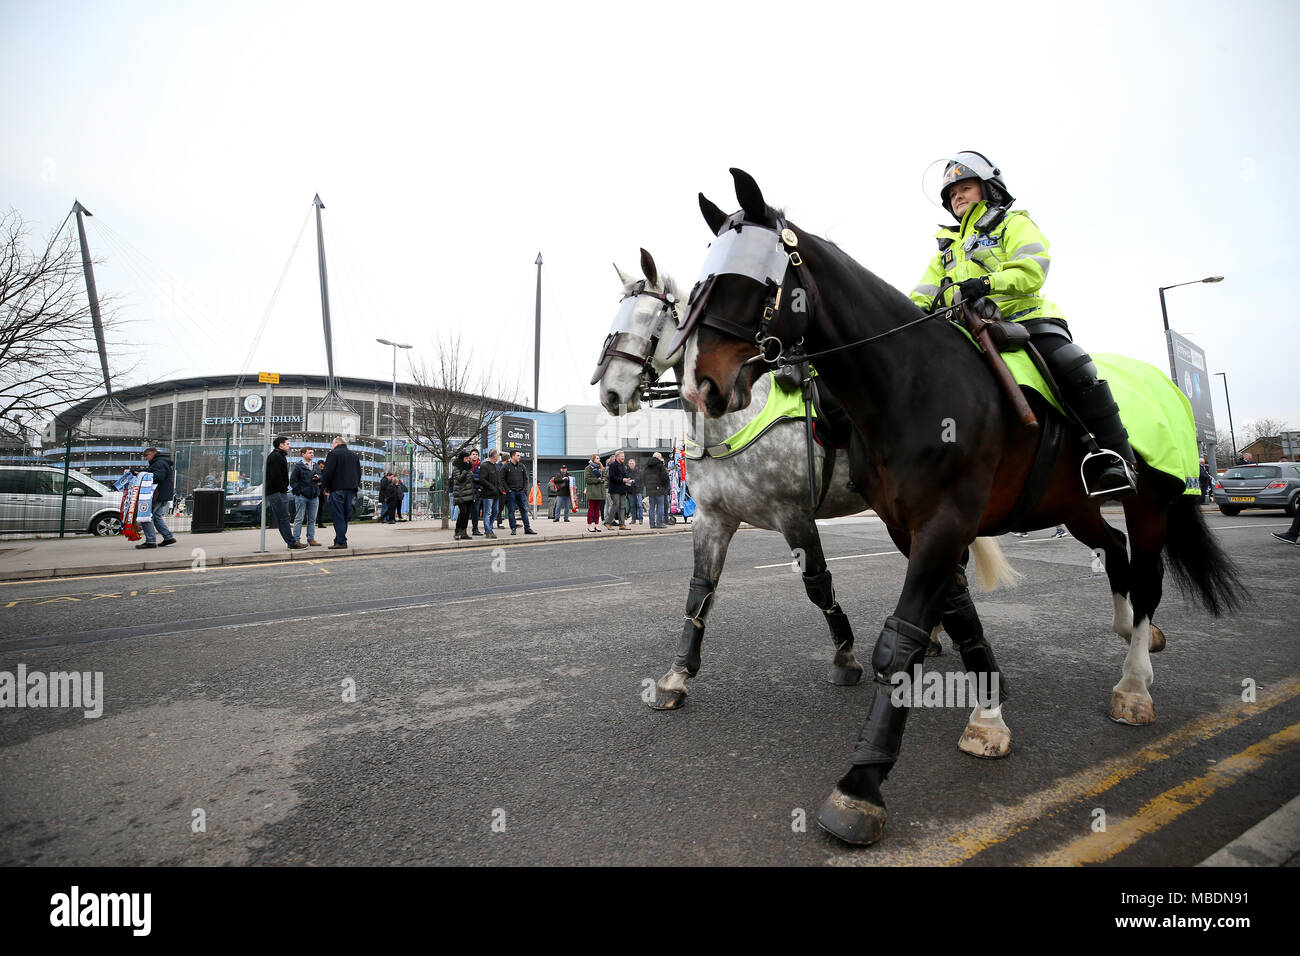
(831, 426)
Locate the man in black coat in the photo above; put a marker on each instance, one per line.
(164, 489)
(619, 482)
(515, 478)
(656, 488)
(561, 485)
(341, 480)
(490, 488)
(275, 490)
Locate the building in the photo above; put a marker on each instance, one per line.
(193, 420)
(201, 421)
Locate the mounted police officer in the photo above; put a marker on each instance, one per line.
(999, 253)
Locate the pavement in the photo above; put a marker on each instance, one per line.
(29, 559)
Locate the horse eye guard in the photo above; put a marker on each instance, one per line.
(754, 252)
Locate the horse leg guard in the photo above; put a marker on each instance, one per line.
(670, 691)
(963, 625)
(855, 810)
(845, 670)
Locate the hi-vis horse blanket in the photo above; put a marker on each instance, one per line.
(1156, 413)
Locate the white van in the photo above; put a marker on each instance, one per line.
(31, 499)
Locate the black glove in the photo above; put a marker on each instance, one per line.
(972, 289)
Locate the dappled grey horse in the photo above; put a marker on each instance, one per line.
(765, 484)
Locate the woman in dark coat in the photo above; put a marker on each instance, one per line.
(462, 493)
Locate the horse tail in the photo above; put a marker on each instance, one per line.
(1201, 567)
(992, 569)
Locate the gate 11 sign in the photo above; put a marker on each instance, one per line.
(518, 434)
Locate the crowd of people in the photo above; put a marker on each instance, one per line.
(616, 489)
(337, 479)
(488, 490)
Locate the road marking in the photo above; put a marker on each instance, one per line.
(273, 617)
(843, 557)
(1245, 527)
(996, 826)
(1168, 806)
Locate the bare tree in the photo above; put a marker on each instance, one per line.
(1263, 428)
(454, 402)
(48, 354)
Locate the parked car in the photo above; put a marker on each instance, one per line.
(245, 509)
(1259, 486)
(31, 500)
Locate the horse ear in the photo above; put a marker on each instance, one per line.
(749, 195)
(622, 276)
(714, 216)
(648, 267)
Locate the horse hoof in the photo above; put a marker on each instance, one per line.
(988, 742)
(670, 690)
(851, 819)
(934, 650)
(1157, 639)
(1131, 709)
(668, 699)
(845, 676)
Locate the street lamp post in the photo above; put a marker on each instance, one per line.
(396, 345)
(1164, 314)
(1231, 432)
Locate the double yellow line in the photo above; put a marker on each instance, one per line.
(995, 827)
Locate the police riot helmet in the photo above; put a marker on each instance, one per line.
(969, 164)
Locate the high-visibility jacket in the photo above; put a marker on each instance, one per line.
(1013, 254)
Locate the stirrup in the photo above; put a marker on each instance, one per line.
(1129, 488)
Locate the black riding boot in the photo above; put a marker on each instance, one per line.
(1108, 473)
(1108, 467)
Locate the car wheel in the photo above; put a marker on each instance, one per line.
(1230, 510)
(1293, 505)
(106, 525)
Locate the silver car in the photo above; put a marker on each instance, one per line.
(31, 500)
(1275, 485)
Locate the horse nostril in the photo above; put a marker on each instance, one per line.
(611, 402)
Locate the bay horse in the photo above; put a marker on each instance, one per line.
(764, 484)
(945, 458)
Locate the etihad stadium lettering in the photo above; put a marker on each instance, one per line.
(255, 420)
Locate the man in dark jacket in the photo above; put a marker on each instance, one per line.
(489, 480)
(275, 490)
(390, 498)
(515, 478)
(619, 482)
(656, 488)
(304, 484)
(561, 485)
(341, 479)
(634, 509)
(164, 489)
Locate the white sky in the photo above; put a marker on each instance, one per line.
(451, 144)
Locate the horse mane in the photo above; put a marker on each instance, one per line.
(887, 294)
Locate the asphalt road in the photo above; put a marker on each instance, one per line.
(498, 716)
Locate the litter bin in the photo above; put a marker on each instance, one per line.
(209, 510)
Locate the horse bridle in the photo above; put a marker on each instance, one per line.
(649, 376)
(764, 254)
